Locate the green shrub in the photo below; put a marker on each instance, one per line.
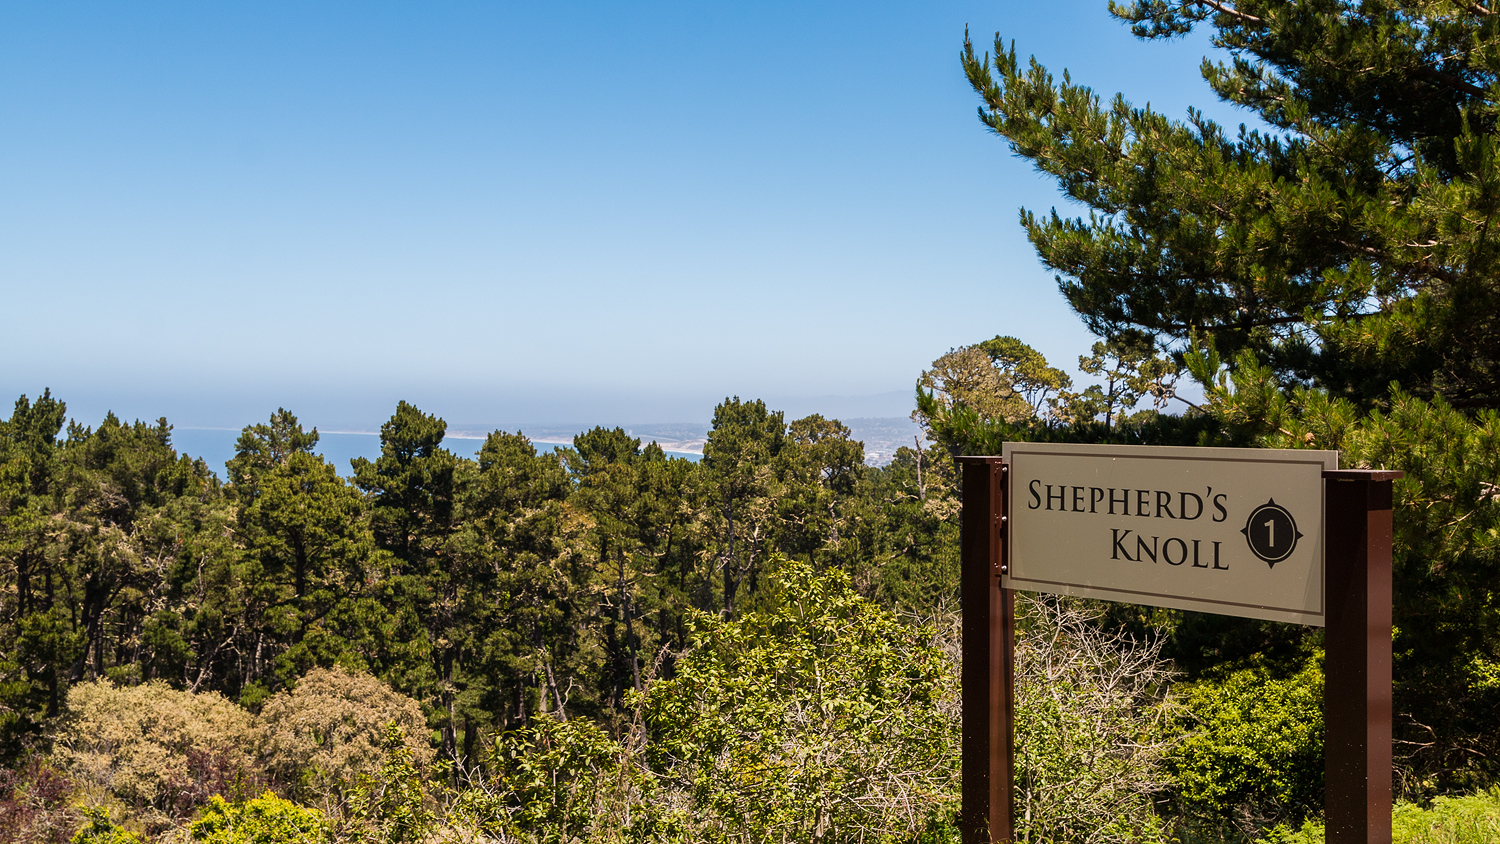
(323, 735)
(391, 806)
(267, 819)
(1253, 756)
(100, 830)
(821, 717)
(556, 776)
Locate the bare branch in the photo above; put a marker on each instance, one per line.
(1226, 9)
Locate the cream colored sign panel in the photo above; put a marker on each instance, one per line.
(1221, 530)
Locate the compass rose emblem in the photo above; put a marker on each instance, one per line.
(1271, 532)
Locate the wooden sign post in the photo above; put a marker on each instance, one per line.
(1357, 657)
(989, 628)
(1242, 532)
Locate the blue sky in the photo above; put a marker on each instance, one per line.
(511, 213)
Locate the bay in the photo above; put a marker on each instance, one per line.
(216, 446)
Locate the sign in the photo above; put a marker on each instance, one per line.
(1228, 531)
(1251, 543)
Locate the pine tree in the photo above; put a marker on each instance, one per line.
(1345, 242)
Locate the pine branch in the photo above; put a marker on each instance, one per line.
(1450, 80)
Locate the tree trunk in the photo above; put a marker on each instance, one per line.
(630, 643)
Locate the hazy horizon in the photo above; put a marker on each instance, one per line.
(510, 212)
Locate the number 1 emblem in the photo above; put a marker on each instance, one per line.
(1271, 532)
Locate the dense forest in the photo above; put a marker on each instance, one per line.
(490, 589)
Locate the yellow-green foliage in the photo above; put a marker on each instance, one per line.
(267, 819)
(391, 806)
(100, 830)
(531, 764)
(821, 717)
(328, 730)
(136, 744)
(1473, 819)
(1256, 746)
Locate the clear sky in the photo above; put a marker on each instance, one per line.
(522, 212)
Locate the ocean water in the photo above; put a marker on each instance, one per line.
(216, 447)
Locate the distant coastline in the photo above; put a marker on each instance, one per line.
(881, 436)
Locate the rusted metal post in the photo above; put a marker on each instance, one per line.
(1357, 656)
(989, 629)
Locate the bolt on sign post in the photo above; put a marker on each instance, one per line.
(1281, 535)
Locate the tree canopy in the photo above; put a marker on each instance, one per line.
(1343, 238)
